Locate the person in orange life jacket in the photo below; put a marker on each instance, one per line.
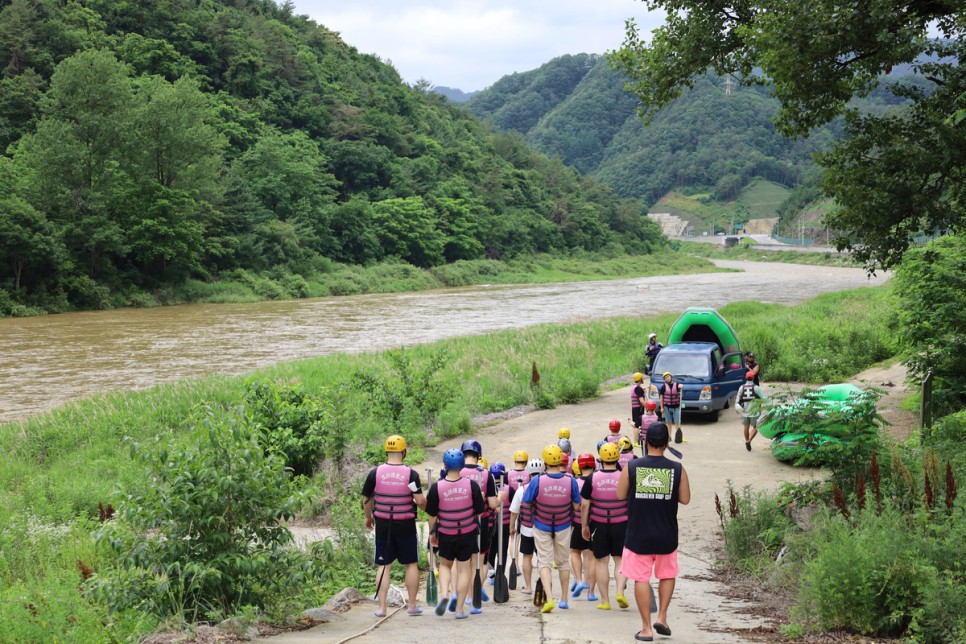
(604, 523)
(638, 399)
(581, 561)
(554, 498)
(626, 451)
(453, 505)
(748, 409)
(753, 367)
(472, 453)
(521, 522)
(498, 472)
(391, 493)
(654, 487)
(649, 418)
(669, 399)
(651, 350)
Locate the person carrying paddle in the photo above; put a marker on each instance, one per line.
(669, 403)
(554, 498)
(472, 453)
(498, 471)
(581, 559)
(654, 487)
(605, 523)
(453, 505)
(521, 524)
(391, 493)
(638, 399)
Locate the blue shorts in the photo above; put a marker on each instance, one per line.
(403, 548)
(672, 415)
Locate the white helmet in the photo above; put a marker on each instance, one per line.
(535, 466)
(652, 336)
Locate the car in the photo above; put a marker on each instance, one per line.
(710, 379)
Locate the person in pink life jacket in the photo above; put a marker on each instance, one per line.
(499, 473)
(638, 398)
(521, 524)
(554, 498)
(626, 452)
(454, 504)
(581, 557)
(472, 453)
(670, 395)
(517, 478)
(648, 418)
(604, 524)
(391, 493)
(614, 435)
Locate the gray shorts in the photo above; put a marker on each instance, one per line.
(750, 421)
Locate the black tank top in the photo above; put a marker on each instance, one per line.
(652, 505)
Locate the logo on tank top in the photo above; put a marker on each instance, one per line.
(653, 483)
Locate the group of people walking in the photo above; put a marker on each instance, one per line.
(565, 512)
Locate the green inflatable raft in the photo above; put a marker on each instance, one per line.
(704, 324)
(837, 397)
(791, 447)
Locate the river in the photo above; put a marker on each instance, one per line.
(46, 361)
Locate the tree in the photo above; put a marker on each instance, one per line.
(407, 228)
(817, 55)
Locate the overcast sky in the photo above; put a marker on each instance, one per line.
(470, 45)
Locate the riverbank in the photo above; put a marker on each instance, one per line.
(749, 251)
(59, 466)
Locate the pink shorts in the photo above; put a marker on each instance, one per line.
(638, 567)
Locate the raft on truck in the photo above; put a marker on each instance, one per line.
(704, 357)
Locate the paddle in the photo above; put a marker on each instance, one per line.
(477, 584)
(501, 592)
(431, 590)
(513, 563)
(539, 594)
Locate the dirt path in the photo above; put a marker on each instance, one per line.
(701, 610)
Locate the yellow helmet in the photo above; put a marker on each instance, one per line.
(666, 374)
(563, 433)
(520, 456)
(609, 453)
(576, 468)
(483, 462)
(624, 444)
(638, 377)
(552, 455)
(395, 443)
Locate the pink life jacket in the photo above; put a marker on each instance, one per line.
(506, 506)
(635, 399)
(481, 475)
(605, 507)
(553, 505)
(517, 479)
(625, 458)
(456, 506)
(392, 498)
(613, 438)
(672, 395)
(526, 515)
(580, 486)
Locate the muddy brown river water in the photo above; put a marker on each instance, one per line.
(46, 361)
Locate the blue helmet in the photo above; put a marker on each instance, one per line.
(599, 445)
(472, 446)
(453, 459)
(498, 470)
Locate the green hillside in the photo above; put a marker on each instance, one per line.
(149, 146)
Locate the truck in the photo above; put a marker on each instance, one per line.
(704, 357)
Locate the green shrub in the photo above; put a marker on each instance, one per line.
(204, 536)
(573, 385)
(754, 528)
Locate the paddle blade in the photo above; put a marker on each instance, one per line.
(431, 589)
(650, 591)
(513, 574)
(539, 594)
(477, 591)
(501, 591)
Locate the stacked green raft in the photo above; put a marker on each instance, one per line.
(791, 442)
(704, 324)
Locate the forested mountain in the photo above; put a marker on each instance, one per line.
(146, 143)
(576, 107)
(453, 94)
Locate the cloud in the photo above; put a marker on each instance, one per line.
(471, 45)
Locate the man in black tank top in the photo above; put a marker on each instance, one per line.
(654, 486)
